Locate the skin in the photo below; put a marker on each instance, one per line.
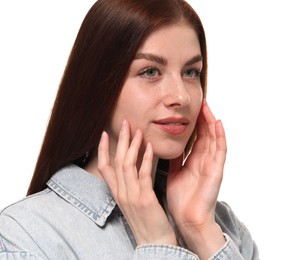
(154, 90)
(157, 88)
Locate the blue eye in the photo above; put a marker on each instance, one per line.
(192, 73)
(150, 73)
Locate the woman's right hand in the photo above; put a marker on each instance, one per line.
(132, 189)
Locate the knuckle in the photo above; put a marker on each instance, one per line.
(118, 167)
(134, 201)
(126, 165)
(122, 199)
(101, 166)
(142, 173)
(146, 201)
(117, 161)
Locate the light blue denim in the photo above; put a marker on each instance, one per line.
(77, 218)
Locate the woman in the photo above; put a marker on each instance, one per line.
(130, 112)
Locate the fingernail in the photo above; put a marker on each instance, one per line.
(124, 122)
(149, 146)
(138, 132)
(104, 133)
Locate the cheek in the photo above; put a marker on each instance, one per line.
(129, 107)
(196, 102)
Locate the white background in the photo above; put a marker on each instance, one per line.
(252, 87)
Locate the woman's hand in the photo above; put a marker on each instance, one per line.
(132, 189)
(193, 188)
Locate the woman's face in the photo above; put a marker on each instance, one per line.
(162, 94)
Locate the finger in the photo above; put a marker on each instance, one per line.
(130, 171)
(201, 144)
(104, 166)
(122, 145)
(145, 173)
(221, 143)
(211, 122)
(209, 119)
(121, 150)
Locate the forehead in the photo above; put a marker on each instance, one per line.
(180, 37)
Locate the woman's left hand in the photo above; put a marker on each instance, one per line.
(193, 188)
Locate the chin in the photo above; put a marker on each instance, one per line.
(168, 149)
(170, 154)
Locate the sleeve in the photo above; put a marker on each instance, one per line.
(16, 256)
(228, 251)
(158, 252)
(10, 232)
(246, 251)
(7, 253)
(239, 243)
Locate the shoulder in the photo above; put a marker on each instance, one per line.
(28, 203)
(15, 235)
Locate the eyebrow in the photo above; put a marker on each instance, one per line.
(151, 57)
(161, 60)
(193, 60)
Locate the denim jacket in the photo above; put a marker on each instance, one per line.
(77, 218)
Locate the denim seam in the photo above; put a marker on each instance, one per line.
(18, 252)
(177, 249)
(242, 229)
(97, 217)
(6, 250)
(226, 246)
(2, 245)
(66, 194)
(105, 212)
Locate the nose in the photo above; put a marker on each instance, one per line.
(175, 93)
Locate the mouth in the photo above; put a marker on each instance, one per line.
(173, 121)
(172, 125)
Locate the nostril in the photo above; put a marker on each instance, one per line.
(177, 100)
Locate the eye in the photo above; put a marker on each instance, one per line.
(192, 73)
(150, 73)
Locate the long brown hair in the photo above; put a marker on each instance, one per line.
(109, 37)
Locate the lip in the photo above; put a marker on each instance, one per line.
(172, 125)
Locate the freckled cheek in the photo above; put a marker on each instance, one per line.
(135, 113)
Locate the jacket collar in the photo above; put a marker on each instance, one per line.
(83, 191)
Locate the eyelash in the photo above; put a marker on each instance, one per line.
(197, 73)
(145, 71)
